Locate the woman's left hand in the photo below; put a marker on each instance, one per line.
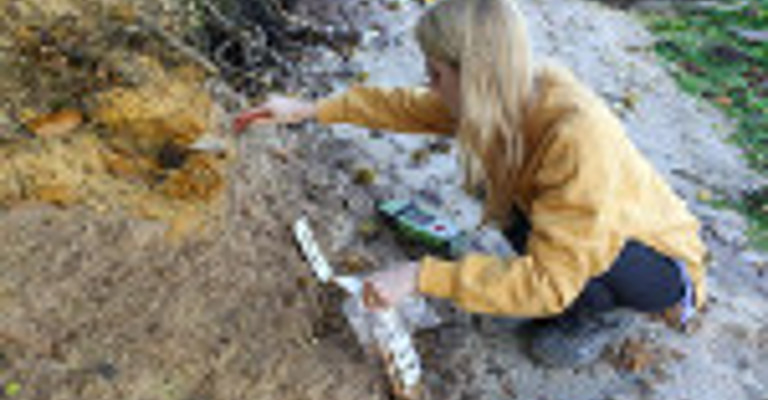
(387, 288)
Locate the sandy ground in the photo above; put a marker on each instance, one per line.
(684, 138)
(97, 307)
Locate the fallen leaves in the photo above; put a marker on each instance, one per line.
(355, 263)
(637, 355)
(634, 356)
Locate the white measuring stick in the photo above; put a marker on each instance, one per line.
(317, 261)
(320, 266)
(388, 327)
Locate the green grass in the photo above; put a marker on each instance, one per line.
(714, 61)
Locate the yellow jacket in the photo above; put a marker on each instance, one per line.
(584, 186)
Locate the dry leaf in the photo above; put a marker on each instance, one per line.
(127, 167)
(635, 356)
(27, 114)
(355, 263)
(364, 176)
(55, 124)
(724, 101)
(368, 229)
(281, 154)
(704, 195)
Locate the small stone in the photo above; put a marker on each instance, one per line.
(376, 134)
(630, 100)
(106, 370)
(420, 156)
(394, 5)
(757, 260)
(440, 146)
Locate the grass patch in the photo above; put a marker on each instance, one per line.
(720, 53)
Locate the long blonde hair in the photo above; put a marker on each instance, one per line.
(487, 42)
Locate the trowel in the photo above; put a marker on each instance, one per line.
(216, 144)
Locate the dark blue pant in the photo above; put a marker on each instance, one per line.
(640, 278)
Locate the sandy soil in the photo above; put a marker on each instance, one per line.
(99, 307)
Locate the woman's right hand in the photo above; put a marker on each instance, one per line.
(276, 110)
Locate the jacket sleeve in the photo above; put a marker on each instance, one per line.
(415, 110)
(567, 245)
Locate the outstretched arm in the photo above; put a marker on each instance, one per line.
(415, 110)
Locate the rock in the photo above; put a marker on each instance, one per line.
(727, 226)
(420, 156)
(755, 259)
(106, 370)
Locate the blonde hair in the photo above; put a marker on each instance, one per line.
(487, 42)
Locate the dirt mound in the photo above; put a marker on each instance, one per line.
(100, 113)
(97, 119)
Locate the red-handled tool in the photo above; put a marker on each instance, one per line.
(247, 117)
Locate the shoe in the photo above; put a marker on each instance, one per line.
(577, 340)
